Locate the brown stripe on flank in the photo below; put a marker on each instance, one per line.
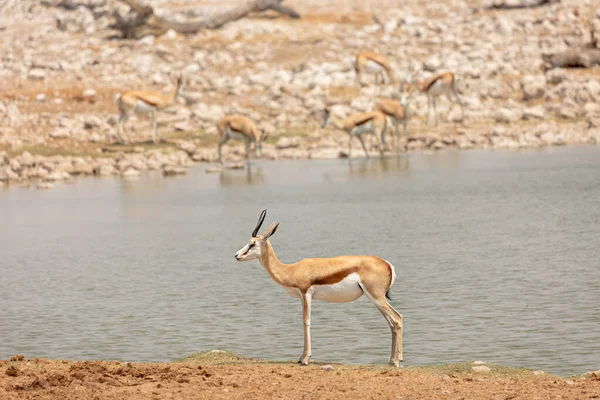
(336, 277)
(146, 101)
(431, 83)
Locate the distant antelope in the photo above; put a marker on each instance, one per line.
(437, 85)
(337, 279)
(398, 111)
(373, 122)
(378, 64)
(139, 101)
(240, 127)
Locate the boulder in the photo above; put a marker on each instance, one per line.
(555, 76)
(537, 112)
(432, 64)
(288, 142)
(36, 74)
(171, 170)
(188, 147)
(130, 172)
(91, 122)
(533, 87)
(507, 115)
(105, 170)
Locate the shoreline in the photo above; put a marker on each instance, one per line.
(219, 374)
(43, 166)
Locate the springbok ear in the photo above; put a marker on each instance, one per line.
(270, 231)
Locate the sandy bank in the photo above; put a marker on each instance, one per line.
(221, 375)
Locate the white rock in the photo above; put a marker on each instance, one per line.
(170, 170)
(533, 87)
(170, 35)
(538, 372)
(91, 122)
(506, 115)
(481, 369)
(455, 115)
(106, 170)
(537, 112)
(327, 368)
(130, 172)
(36, 74)
(287, 142)
(40, 97)
(432, 64)
(89, 94)
(60, 133)
(556, 75)
(147, 40)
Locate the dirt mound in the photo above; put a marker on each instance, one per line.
(222, 375)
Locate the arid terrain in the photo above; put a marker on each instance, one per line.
(221, 375)
(62, 68)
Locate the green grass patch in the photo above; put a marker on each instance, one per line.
(49, 151)
(214, 357)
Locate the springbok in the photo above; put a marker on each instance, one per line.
(378, 64)
(373, 122)
(337, 280)
(140, 101)
(437, 85)
(239, 127)
(397, 111)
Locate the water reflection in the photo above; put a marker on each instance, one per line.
(251, 175)
(376, 168)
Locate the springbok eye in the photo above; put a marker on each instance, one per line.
(251, 246)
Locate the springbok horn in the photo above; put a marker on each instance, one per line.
(263, 214)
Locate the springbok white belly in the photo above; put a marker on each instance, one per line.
(374, 67)
(344, 291)
(437, 88)
(142, 107)
(363, 128)
(235, 134)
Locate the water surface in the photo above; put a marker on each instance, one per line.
(496, 255)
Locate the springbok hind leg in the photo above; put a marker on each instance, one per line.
(393, 318)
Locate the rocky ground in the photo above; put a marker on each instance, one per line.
(61, 69)
(221, 375)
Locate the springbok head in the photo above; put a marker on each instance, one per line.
(253, 248)
(404, 94)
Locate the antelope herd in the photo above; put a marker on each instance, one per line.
(385, 111)
(338, 279)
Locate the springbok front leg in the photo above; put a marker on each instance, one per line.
(221, 143)
(362, 142)
(154, 137)
(306, 303)
(123, 117)
(247, 151)
(433, 100)
(462, 110)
